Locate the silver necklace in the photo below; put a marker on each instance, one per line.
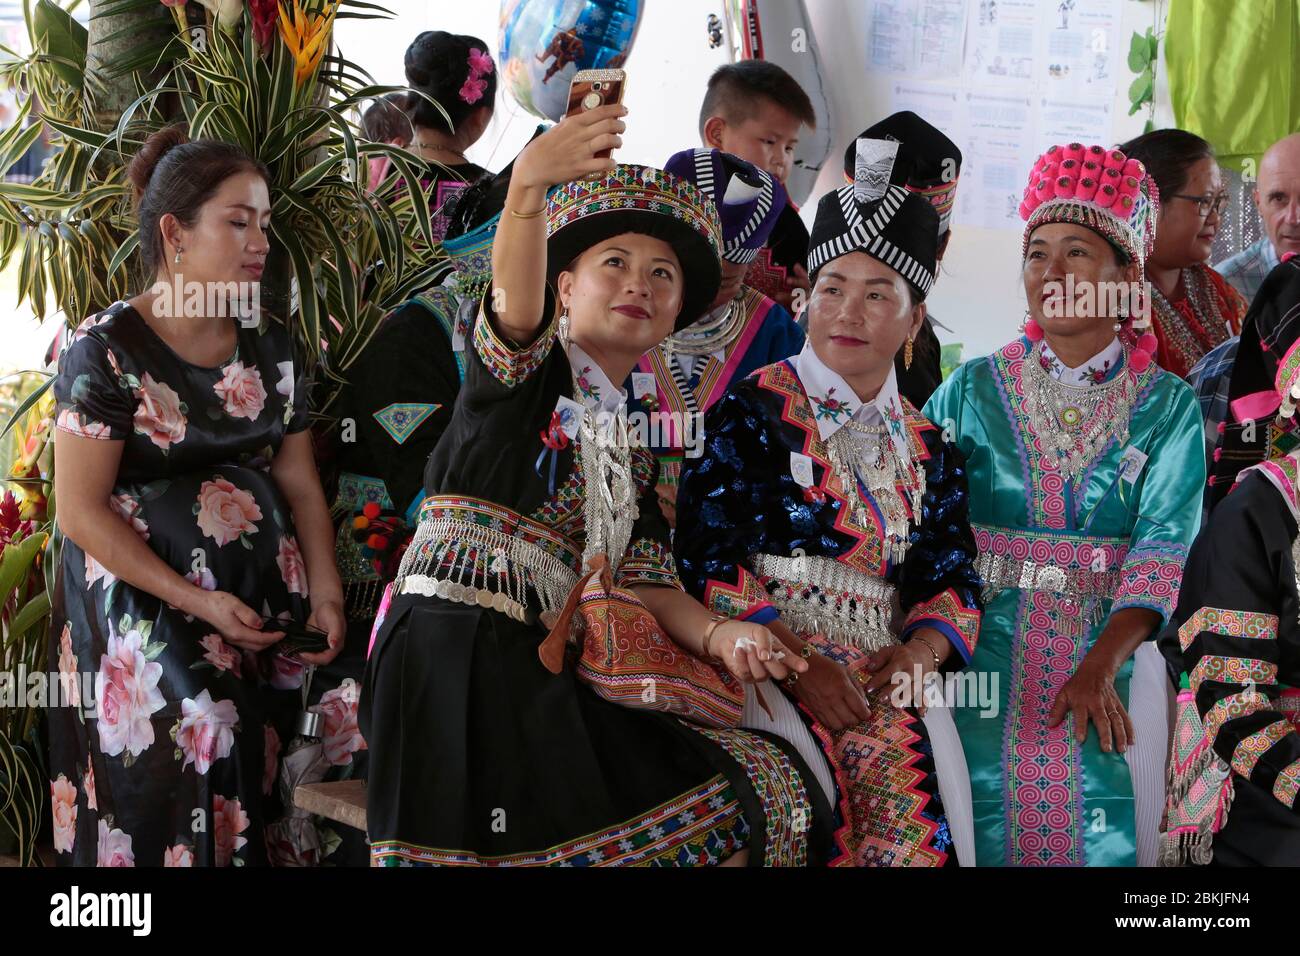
(1075, 422)
(441, 149)
(707, 339)
(866, 453)
(609, 506)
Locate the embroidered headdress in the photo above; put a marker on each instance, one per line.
(644, 200)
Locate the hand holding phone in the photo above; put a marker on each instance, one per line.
(234, 620)
(572, 149)
(298, 638)
(592, 89)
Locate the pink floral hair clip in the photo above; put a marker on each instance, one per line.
(480, 65)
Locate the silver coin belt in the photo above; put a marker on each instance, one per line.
(819, 595)
(468, 594)
(1000, 571)
(468, 563)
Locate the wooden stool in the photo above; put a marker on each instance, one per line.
(343, 801)
(45, 853)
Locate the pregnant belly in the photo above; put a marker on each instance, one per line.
(229, 521)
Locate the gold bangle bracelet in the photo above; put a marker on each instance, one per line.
(708, 634)
(929, 647)
(527, 215)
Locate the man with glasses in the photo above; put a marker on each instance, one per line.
(1277, 197)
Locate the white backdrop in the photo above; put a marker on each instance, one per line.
(978, 296)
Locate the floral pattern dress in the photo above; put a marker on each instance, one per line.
(165, 746)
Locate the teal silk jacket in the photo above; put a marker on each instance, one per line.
(1057, 558)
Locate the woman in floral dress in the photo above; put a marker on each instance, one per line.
(183, 467)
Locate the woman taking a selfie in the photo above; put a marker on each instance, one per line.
(486, 746)
(192, 510)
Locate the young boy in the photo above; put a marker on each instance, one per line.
(755, 110)
(680, 379)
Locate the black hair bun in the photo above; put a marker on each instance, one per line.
(146, 160)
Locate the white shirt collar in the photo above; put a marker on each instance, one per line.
(834, 402)
(597, 392)
(1092, 372)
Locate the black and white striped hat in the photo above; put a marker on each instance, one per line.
(900, 229)
(749, 200)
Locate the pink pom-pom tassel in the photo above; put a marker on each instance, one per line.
(1087, 189)
(1140, 361)
(1148, 343)
(1134, 168)
(1033, 331)
(1106, 196)
(1096, 153)
(1064, 187)
(1075, 152)
(1115, 160)
(1026, 210)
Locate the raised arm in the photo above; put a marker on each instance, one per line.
(563, 153)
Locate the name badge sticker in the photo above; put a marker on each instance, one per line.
(570, 413)
(1131, 464)
(801, 469)
(643, 385)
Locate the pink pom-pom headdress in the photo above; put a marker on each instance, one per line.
(1094, 187)
(1105, 191)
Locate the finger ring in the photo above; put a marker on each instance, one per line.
(862, 677)
(792, 679)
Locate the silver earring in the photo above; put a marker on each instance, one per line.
(177, 260)
(562, 328)
(1117, 327)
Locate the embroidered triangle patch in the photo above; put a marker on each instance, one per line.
(401, 419)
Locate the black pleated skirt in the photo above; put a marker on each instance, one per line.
(480, 756)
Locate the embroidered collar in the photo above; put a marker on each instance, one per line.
(1098, 369)
(834, 402)
(595, 389)
(1284, 475)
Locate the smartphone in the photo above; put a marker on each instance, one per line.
(298, 638)
(592, 89)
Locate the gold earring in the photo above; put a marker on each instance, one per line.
(907, 353)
